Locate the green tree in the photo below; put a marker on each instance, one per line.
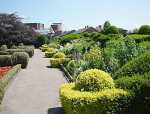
(112, 30)
(144, 29)
(42, 39)
(106, 25)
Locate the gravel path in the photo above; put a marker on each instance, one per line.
(35, 90)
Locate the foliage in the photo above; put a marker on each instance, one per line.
(59, 55)
(140, 85)
(55, 62)
(144, 29)
(109, 101)
(69, 37)
(145, 44)
(94, 58)
(4, 53)
(13, 31)
(138, 65)
(42, 39)
(106, 25)
(3, 48)
(5, 60)
(94, 80)
(112, 30)
(49, 54)
(6, 79)
(139, 38)
(20, 58)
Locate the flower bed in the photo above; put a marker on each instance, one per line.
(4, 70)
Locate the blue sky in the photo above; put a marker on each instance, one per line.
(76, 14)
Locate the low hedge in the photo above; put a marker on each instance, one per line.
(145, 44)
(139, 65)
(139, 38)
(59, 55)
(29, 51)
(6, 79)
(5, 60)
(140, 85)
(55, 62)
(20, 58)
(4, 53)
(109, 101)
(49, 54)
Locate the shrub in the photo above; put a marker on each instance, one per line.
(94, 58)
(49, 54)
(44, 47)
(109, 101)
(29, 51)
(50, 50)
(3, 48)
(6, 79)
(55, 62)
(5, 60)
(139, 65)
(140, 85)
(4, 53)
(20, 58)
(53, 45)
(59, 55)
(145, 44)
(94, 80)
(139, 38)
(42, 39)
(72, 67)
(144, 29)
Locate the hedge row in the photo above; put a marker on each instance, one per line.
(109, 101)
(29, 51)
(139, 38)
(139, 65)
(14, 59)
(140, 85)
(6, 79)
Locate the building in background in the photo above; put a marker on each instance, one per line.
(35, 26)
(56, 28)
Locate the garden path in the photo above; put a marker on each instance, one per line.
(34, 90)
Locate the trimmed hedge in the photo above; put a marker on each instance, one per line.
(94, 80)
(140, 85)
(139, 38)
(29, 51)
(20, 58)
(4, 53)
(49, 54)
(109, 101)
(138, 65)
(5, 60)
(55, 62)
(3, 48)
(59, 55)
(6, 79)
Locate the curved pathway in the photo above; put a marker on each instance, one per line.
(35, 90)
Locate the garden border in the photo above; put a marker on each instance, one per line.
(5, 80)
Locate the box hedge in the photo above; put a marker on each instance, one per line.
(6, 79)
(29, 51)
(139, 65)
(4, 53)
(49, 54)
(94, 80)
(140, 85)
(20, 58)
(5, 60)
(59, 55)
(109, 101)
(55, 62)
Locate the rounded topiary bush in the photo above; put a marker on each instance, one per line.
(108, 101)
(59, 55)
(5, 60)
(50, 50)
(3, 48)
(94, 80)
(20, 58)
